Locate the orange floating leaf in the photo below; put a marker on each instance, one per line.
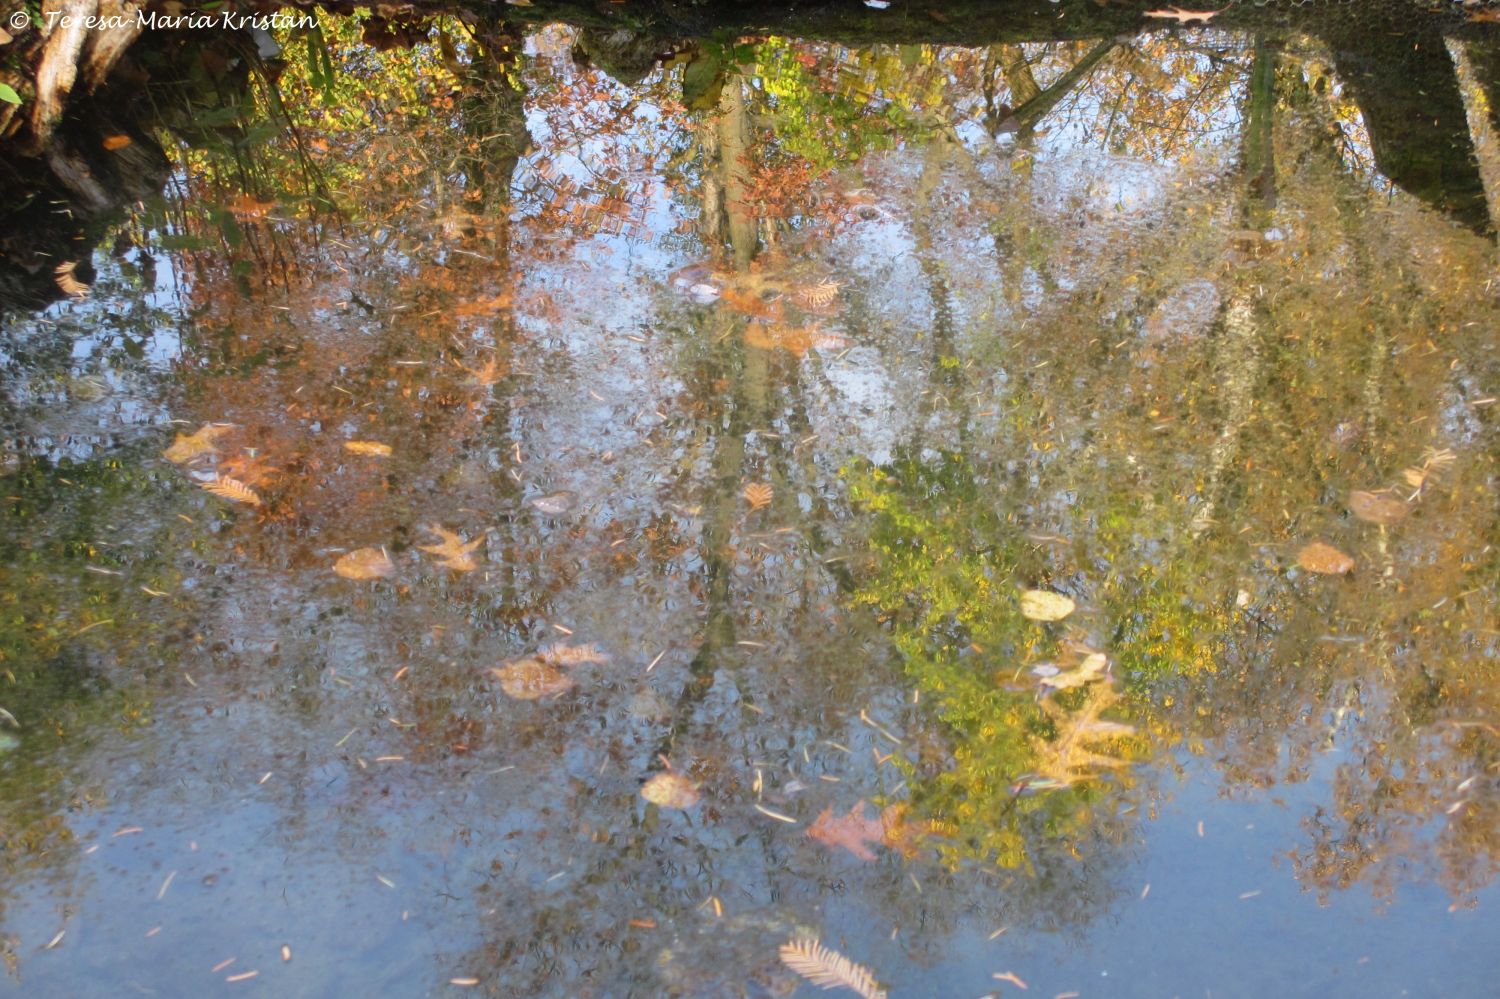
(851, 831)
(532, 679)
(365, 563)
(113, 142)
(1325, 559)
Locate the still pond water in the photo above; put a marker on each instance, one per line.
(464, 442)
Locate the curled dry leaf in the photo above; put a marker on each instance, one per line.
(232, 489)
(453, 553)
(67, 283)
(1324, 558)
(670, 791)
(1044, 605)
(189, 446)
(758, 494)
(365, 563)
(373, 449)
(1377, 508)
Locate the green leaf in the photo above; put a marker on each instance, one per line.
(9, 95)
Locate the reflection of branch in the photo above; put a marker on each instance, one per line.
(1024, 118)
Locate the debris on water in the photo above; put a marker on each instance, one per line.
(1325, 559)
(1044, 605)
(556, 503)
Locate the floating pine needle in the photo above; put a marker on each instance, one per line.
(829, 969)
(758, 495)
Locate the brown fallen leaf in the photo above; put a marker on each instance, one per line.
(850, 831)
(758, 494)
(453, 553)
(231, 489)
(670, 791)
(365, 563)
(372, 449)
(1324, 558)
(541, 675)
(189, 446)
(531, 679)
(828, 969)
(1377, 508)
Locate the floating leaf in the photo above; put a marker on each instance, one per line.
(67, 283)
(113, 142)
(818, 296)
(796, 340)
(530, 679)
(850, 831)
(572, 655)
(373, 449)
(1044, 605)
(829, 969)
(1377, 508)
(231, 489)
(670, 791)
(365, 563)
(489, 372)
(453, 553)
(189, 446)
(556, 503)
(542, 675)
(1092, 667)
(1325, 559)
(758, 494)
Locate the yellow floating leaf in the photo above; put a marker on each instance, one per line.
(365, 563)
(758, 494)
(1324, 558)
(373, 449)
(231, 489)
(189, 446)
(670, 791)
(1044, 605)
